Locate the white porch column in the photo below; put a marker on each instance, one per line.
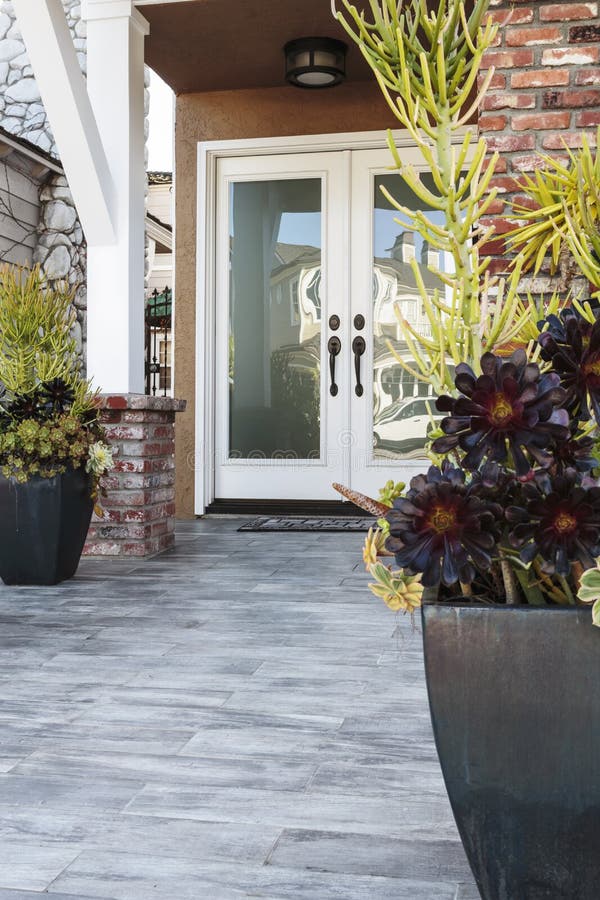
(115, 296)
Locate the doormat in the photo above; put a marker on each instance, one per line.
(309, 523)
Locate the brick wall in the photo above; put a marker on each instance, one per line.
(139, 509)
(545, 93)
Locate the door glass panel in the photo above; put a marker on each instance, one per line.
(400, 409)
(275, 319)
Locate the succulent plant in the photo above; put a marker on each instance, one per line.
(398, 590)
(442, 528)
(510, 409)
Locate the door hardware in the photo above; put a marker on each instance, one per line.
(334, 322)
(359, 322)
(358, 348)
(334, 345)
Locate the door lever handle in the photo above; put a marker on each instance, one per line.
(358, 348)
(334, 345)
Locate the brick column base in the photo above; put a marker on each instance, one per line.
(139, 507)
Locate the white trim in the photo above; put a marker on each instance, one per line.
(92, 10)
(159, 232)
(208, 154)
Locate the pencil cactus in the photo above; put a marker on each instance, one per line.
(567, 213)
(426, 63)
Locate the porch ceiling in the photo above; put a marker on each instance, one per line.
(219, 45)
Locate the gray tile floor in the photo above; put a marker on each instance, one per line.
(236, 718)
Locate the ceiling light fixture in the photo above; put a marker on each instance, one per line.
(315, 62)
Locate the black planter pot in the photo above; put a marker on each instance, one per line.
(515, 703)
(43, 526)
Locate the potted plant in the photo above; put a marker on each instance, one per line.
(52, 446)
(497, 542)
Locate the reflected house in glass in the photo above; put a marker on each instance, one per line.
(395, 290)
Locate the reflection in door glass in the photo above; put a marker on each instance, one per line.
(401, 418)
(275, 319)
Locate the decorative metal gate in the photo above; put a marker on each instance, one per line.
(158, 342)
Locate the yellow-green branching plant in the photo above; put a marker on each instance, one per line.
(426, 62)
(567, 214)
(36, 330)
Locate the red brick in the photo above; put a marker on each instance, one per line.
(496, 207)
(139, 532)
(127, 432)
(588, 118)
(588, 76)
(158, 528)
(131, 465)
(109, 515)
(502, 226)
(501, 165)
(508, 59)
(584, 34)
(570, 99)
(143, 548)
(525, 201)
(504, 184)
(541, 121)
(508, 100)
(147, 416)
(567, 12)
(539, 78)
(514, 16)
(498, 266)
(492, 248)
(125, 498)
(134, 515)
(492, 123)
(571, 56)
(116, 402)
(102, 548)
(497, 82)
(511, 143)
(529, 162)
(529, 37)
(558, 141)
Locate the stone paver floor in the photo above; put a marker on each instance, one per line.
(235, 718)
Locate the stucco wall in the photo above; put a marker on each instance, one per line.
(229, 115)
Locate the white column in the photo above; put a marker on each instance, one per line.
(115, 297)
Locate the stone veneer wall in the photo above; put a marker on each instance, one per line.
(61, 248)
(544, 95)
(139, 509)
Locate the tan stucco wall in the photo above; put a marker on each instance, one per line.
(271, 112)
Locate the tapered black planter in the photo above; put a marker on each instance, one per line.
(515, 703)
(43, 526)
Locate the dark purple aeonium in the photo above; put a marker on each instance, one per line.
(443, 529)
(26, 406)
(572, 345)
(558, 520)
(56, 395)
(511, 408)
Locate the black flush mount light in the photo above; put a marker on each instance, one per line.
(315, 62)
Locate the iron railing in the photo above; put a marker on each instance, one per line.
(158, 316)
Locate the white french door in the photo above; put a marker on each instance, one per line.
(309, 268)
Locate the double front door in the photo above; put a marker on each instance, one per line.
(312, 269)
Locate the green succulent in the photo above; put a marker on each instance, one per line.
(589, 591)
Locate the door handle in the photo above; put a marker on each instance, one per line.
(358, 348)
(334, 345)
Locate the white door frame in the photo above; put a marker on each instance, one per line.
(208, 154)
